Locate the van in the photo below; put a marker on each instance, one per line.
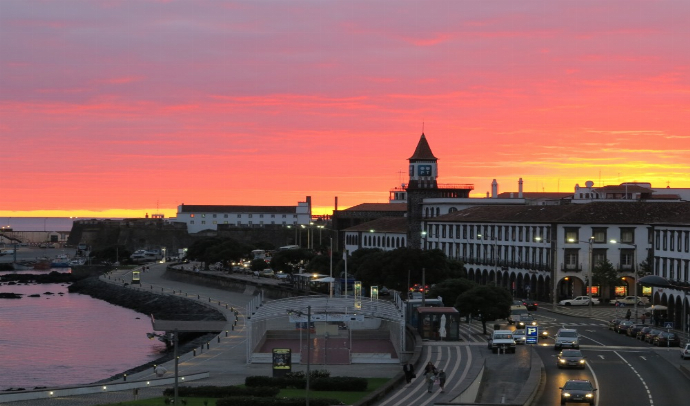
(502, 340)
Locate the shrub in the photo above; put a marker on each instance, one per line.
(280, 382)
(250, 401)
(221, 391)
(339, 383)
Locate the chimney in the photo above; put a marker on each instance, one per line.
(336, 203)
(494, 189)
(520, 188)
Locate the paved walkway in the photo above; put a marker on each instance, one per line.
(224, 357)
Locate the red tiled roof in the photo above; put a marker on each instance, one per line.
(383, 225)
(201, 208)
(379, 207)
(591, 213)
(624, 188)
(423, 150)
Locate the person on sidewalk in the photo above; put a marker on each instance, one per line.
(628, 314)
(409, 372)
(442, 380)
(430, 379)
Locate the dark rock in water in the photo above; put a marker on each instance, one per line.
(35, 295)
(12, 283)
(48, 293)
(10, 296)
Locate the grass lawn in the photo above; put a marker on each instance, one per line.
(346, 397)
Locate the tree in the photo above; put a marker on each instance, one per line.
(258, 265)
(451, 289)
(290, 261)
(490, 302)
(604, 274)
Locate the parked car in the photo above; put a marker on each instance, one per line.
(520, 336)
(281, 275)
(630, 300)
(685, 351)
(566, 338)
(267, 273)
(531, 305)
(571, 359)
(578, 301)
(577, 390)
(384, 291)
(622, 327)
(634, 329)
(666, 339)
(613, 323)
(649, 337)
(642, 333)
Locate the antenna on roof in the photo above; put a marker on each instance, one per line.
(422, 126)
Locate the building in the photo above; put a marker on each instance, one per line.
(207, 217)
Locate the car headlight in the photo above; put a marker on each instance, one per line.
(567, 395)
(589, 395)
(582, 361)
(574, 342)
(562, 361)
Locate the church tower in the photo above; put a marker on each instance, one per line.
(423, 167)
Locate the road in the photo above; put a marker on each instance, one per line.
(625, 371)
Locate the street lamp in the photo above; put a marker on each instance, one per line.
(589, 287)
(300, 313)
(151, 336)
(634, 271)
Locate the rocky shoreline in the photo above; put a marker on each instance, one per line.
(163, 307)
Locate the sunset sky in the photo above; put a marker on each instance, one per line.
(121, 108)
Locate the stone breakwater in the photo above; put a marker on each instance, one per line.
(163, 307)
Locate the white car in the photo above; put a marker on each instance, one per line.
(630, 300)
(578, 301)
(281, 275)
(685, 351)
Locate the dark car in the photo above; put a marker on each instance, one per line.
(578, 391)
(649, 337)
(526, 320)
(666, 339)
(531, 305)
(634, 329)
(571, 359)
(613, 323)
(622, 327)
(643, 332)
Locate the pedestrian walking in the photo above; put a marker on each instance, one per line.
(408, 369)
(430, 379)
(643, 317)
(628, 314)
(430, 368)
(442, 380)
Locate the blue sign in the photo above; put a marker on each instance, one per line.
(668, 324)
(532, 334)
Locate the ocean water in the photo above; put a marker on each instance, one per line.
(68, 339)
(38, 223)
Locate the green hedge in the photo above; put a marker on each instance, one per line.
(339, 383)
(250, 401)
(336, 383)
(221, 391)
(280, 382)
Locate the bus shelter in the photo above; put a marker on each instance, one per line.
(438, 323)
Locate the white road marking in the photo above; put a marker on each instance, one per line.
(643, 358)
(601, 356)
(649, 393)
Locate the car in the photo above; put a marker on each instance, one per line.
(642, 333)
(634, 329)
(577, 391)
(571, 359)
(502, 340)
(685, 351)
(520, 336)
(531, 305)
(630, 300)
(613, 323)
(526, 320)
(578, 301)
(666, 339)
(268, 273)
(566, 338)
(543, 332)
(281, 275)
(622, 327)
(515, 314)
(649, 336)
(384, 291)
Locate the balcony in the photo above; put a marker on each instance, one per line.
(571, 267)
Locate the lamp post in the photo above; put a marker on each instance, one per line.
(634, 271)
(300, 313)
(591, 274)
(175, 344)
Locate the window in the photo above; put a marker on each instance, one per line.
(191, 222)
(687, 241)
(273, 216)
(239, 216)
(203, 215)
(215, 222)
(570, 258)
(657, 237)
(665, 240)
(250, 216)
(225, 216)
(450, 231)
(598, 256)
(628, 235)
(627, 258)
(680, 240)
(599, 234)
(672, 240)
(472, 232)
(520, 233)
(571, 236)
(261, 216)
(203, 221)
(443, 231)
(214, 216)
(512, 233)
(284, 215)
(500, 233)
